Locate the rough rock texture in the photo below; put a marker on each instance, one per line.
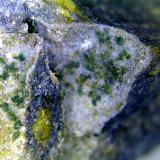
(17, 56)
(29, 99)
(44, 114)
(102, 77)
(14, 13)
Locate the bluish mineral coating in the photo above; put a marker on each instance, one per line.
(44, 94)
(12, 14)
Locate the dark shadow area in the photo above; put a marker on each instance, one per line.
(140, 17)
(32, 25)
(37, 27)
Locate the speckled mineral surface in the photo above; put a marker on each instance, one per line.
(18, 54)
(28, 100)
(98, 64)
(70, 88)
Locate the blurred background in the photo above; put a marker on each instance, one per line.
(141, 17)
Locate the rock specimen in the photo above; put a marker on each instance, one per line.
(96, 66)
(26, 105)
(62, 82)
